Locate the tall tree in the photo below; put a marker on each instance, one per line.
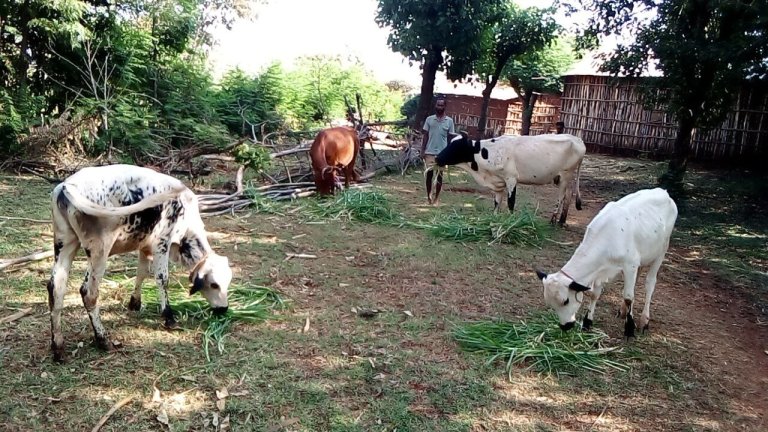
(704, 48)
(440, 35)
(516, 32)
(539, 72)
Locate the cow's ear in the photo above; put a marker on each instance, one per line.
(476, 147)
(578, 287)
(197, 285)
(540, 274)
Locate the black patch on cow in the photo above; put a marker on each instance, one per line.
(556, 180)
(142, 223)
(50, 287)
(162, 280)
(587, 324)
(133, 196)
(162, 248)
(511, 199)
(578, 287)
(174, 211)
(61, 200)
(167, 313)
(476, 147)
(493, 139)
(84, 288)
(484, 153)
(190, 250)
(57, 249)
(87, 252)
(197, 285)
(473, 165)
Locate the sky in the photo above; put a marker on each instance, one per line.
(287, 29)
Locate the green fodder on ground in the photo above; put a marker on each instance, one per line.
(248, 304)
(541, 345)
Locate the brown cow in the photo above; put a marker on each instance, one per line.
(334, 149)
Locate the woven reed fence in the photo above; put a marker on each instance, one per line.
(607, 114)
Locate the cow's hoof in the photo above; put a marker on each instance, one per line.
(171, 324)
(629, 327)
(134, 304)
(104, 343)
(58, 355)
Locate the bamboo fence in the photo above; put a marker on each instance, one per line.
(608, 115)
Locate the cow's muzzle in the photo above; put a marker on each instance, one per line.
(567, 326)
(220, 310)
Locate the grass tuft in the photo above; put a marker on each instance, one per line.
(250, 304)
(520, 228)
(539, 343)
(356, 205)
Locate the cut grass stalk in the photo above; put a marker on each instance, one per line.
(250, 304)
(539, 343)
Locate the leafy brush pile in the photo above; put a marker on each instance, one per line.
(246, 304)
(356, 205)
(521, 228)
(541, 344)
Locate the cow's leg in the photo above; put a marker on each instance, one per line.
(511, 193)
(511, 199)
(566, 203)
(650, 286)
(591, 303)
(429, 175)
(64, 252)
(160, 269)
(438, 186)
(498, 198)
(141, 273)
(562, 187)
(630, 278)
(89, 291)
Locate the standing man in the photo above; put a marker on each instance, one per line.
(437, 127)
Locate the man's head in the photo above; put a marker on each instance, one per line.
(440, 106)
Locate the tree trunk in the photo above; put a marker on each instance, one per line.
(483, 120)
(432, 62)
(672, 180)
(528, 101)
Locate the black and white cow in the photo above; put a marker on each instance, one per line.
(115, 209)
(502, 163)
(626, 235)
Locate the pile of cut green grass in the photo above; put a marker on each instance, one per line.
(521, 228)
(250, 304)
(539, 343)
(368, 206)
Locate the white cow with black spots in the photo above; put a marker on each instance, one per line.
(115, 209)
(626, 235)
(502, 163)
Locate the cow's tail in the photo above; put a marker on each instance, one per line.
(578, 193)
(89, 207)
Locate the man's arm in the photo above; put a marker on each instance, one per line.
(424, 138)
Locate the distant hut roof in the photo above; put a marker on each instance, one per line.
(590, 65)
(500, 92)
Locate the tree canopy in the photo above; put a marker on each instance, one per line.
(442, 35)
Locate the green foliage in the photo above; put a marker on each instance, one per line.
(251, 156)
(445, 35)
(541, 70)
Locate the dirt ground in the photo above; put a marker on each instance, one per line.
(702, 367)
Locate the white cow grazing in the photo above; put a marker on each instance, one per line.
(504, 162)
(627, 234)
(116, 209)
